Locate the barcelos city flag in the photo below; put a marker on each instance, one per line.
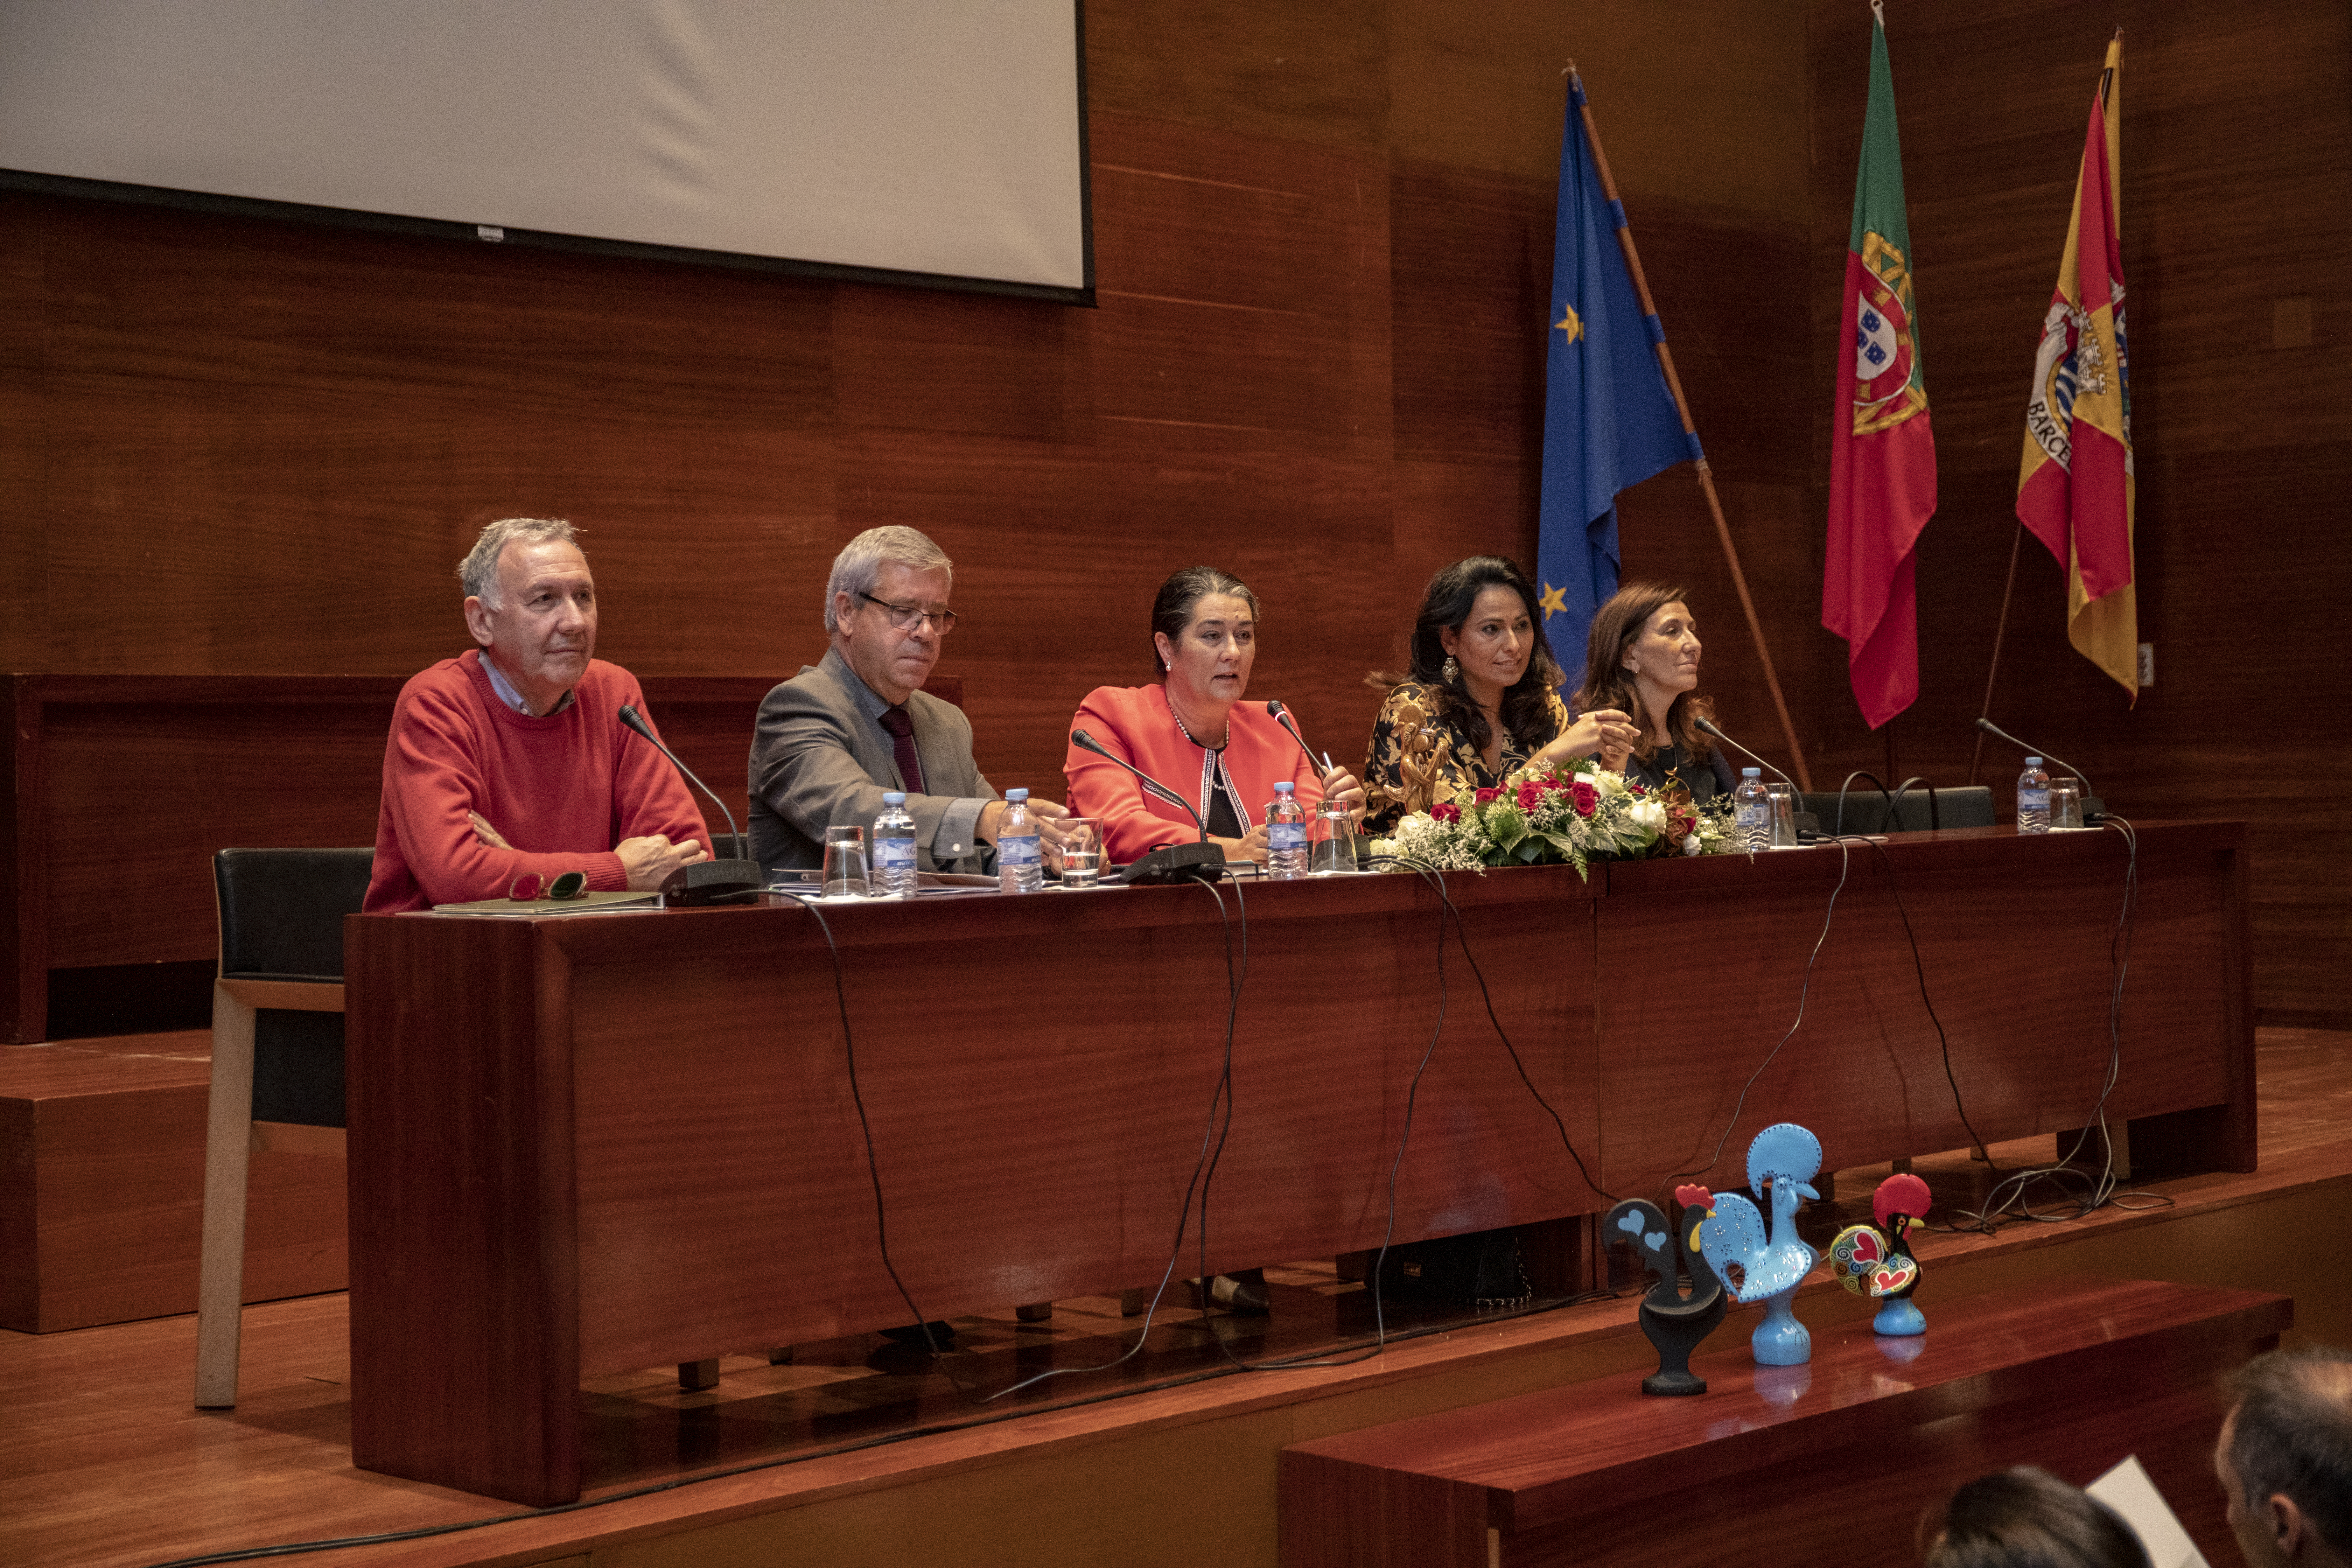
(1888, 386)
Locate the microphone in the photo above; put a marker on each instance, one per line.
(2094, 808)
(1281, 715)
(1710, 727)
(712, 881)
(1198, 862)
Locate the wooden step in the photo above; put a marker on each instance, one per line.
(101, 1188)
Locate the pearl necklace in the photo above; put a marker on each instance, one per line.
(1187, 730)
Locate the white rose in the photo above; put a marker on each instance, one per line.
(1607, 783)
(1691, 845)
(1648, 813)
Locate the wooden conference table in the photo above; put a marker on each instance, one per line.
(592, 1143)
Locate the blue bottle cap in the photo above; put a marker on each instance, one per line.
(893, 797)
(1285, 787)
(1012, 794)
(1751, 772)
(2033, 762)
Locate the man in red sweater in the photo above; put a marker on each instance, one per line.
(510, 758)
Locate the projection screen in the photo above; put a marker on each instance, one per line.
(918, 141)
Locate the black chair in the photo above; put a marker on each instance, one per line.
(1866, 810)
(277, 1057)
(1968, 806)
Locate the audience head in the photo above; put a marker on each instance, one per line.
(885, 604)
(532, 605)
(1204, 637)
(2285, 1457)
(2027, 1518)
(1642, 655)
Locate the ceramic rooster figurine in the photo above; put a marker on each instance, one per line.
(1754, 1267)
(1673, 1322)
(1876, 1262)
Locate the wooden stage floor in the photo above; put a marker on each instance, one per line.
(103, 1461)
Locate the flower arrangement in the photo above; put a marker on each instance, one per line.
(1543, 817)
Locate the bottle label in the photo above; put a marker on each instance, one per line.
(1758, 815)
(1283, 835)
(1019, 852)
(2034, 800)
(894, 854)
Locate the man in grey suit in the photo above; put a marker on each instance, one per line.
(832, 738)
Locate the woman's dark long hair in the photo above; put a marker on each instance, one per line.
(2027, 1518)
(1609, 684)
(1446, 607)
(1171, 612)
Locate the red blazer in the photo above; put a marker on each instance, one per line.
(1134, 722)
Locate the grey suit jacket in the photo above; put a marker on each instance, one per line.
(819, 758)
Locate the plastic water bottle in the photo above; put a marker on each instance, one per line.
(894, 848)
(1285, 835)
(1751, 814)
(2033, 798)
(1019, 869)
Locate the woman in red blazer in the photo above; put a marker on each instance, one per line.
(1194, 734)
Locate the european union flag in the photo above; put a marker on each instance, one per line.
(1610, 420)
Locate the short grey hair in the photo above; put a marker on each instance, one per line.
(859, 566)
(2293, 1433)
(479, 572)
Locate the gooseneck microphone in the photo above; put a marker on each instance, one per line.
(1197, 862)
(1708, 725)
(1281, 715)
(712, 881)
(2094, 808)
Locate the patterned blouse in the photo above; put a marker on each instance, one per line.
(1417, 757)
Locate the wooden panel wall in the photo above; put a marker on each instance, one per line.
(1323, 237)
(2237, 131)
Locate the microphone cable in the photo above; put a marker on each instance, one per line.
(1805, 992)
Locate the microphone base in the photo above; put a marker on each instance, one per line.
(707, 882)
(1175, 863)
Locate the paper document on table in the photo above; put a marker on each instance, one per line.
(585, 904)
(2129, 1489)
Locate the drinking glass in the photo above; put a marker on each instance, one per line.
(1783, 799)
(2065, 805)
(1082, 851)
(844, 862)
(1331, 845)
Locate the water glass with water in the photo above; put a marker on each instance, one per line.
(1331, 843)
(1082, 851)
(1783, 796)
(844, 862)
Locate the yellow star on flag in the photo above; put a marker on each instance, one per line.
(1553, 599)
(1569, 324)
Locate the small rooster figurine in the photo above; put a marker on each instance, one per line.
(1782, 1161)
(1876, 1262)
(1673, 1322)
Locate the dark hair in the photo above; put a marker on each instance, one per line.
(2027, 1518)
(1171, 612)
(2292, 1433)
(1609, 684)
(1445, 606)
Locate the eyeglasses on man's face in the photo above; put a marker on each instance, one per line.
(907, 618)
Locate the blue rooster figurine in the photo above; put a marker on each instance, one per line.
(1782, 1162)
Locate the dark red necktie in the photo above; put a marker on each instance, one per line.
(902, 742)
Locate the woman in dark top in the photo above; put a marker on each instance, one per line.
(1480, 700)
(1643, 657)
(2026, 1518)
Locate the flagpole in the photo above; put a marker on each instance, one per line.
(1682, 406)
(1999, 628)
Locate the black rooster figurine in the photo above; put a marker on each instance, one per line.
(1673, 1322)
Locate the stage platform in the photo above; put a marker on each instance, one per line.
(855, 1451)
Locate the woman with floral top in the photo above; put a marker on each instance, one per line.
(1479, 700)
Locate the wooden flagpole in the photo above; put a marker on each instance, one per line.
(1682, 406)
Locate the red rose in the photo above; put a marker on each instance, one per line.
(1530, 795)
(1557, 785)
(1487, 796)
(1638, 791)
(1587, 799)
(1445, 811)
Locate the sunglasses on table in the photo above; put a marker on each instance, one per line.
(562, 885)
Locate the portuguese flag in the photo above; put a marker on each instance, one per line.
(2075, 487)
(1882, 454)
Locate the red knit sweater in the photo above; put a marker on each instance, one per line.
(563, 789)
